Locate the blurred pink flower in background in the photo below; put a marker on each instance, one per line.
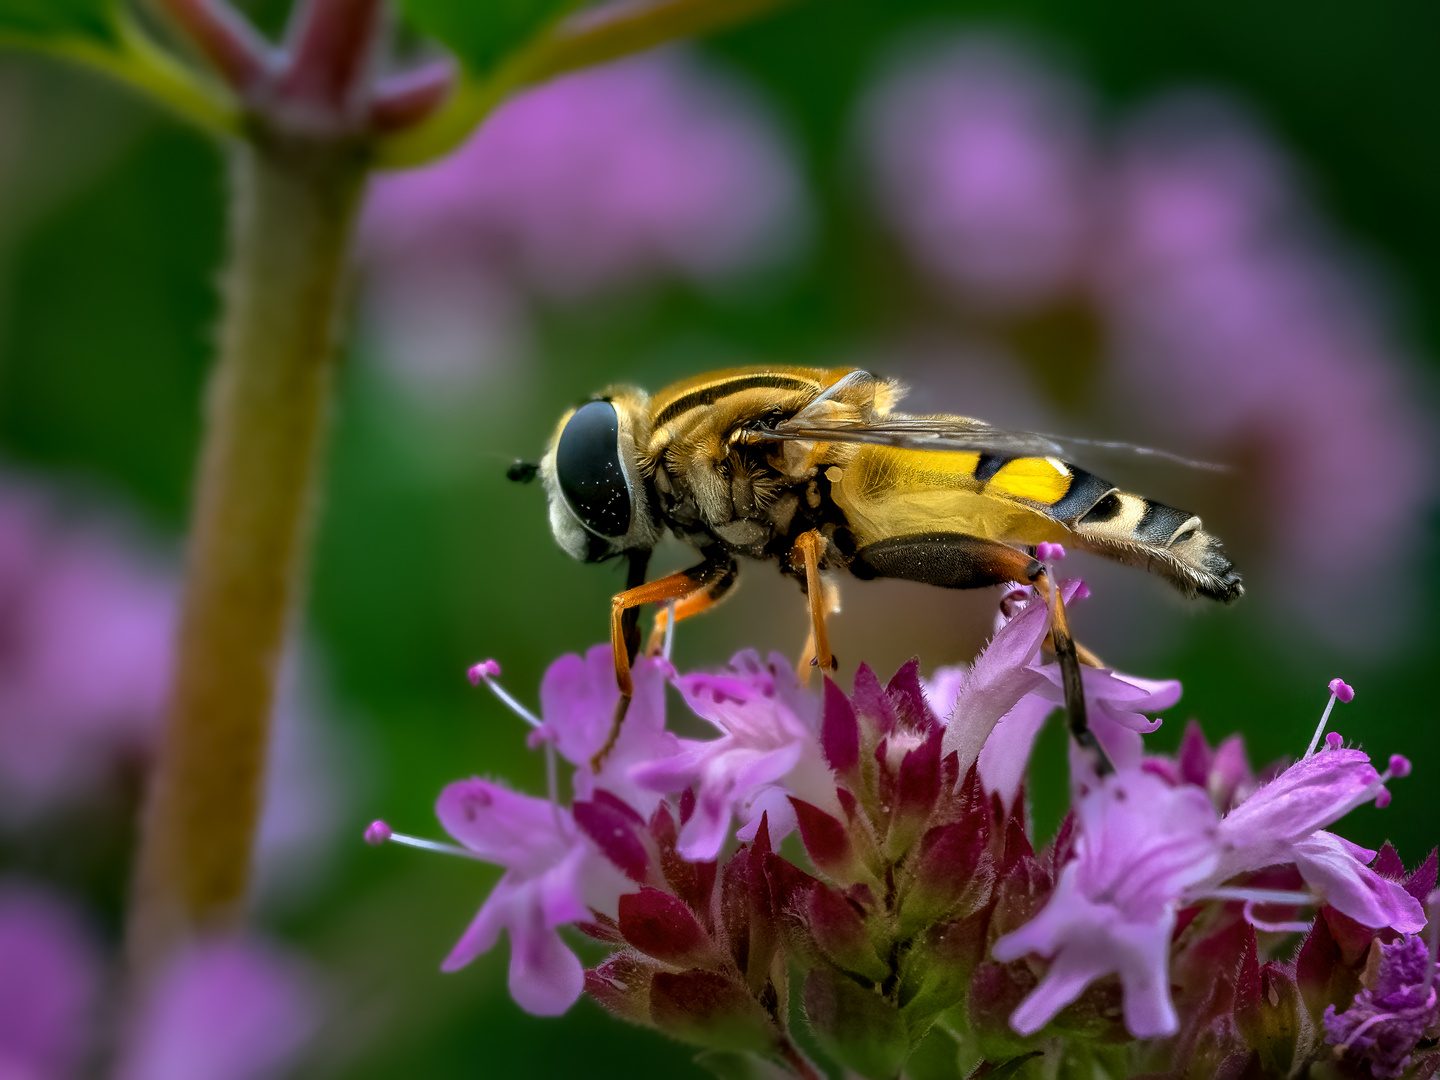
(660, 166)
(1232, 325)
(1235, 318)
(85, 626)
(51, 972)
(229, 1009)
(87, 611)
(982, 163)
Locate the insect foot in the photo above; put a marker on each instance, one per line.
(866, 856)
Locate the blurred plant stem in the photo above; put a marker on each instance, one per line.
(304, 123)
(293, 207)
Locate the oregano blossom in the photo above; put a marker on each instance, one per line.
(921, 907)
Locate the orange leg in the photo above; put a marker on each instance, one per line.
(672, 587)
(690, 606)
(698, 579)
(809, 547)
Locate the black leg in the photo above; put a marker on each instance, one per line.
(630, 621)
(1065, 653)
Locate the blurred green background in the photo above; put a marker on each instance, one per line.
(427, 559)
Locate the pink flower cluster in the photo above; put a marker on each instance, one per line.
(922, 894)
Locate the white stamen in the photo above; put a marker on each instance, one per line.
(488, 672)
(1291, 897)
(1293, 927)
(1254, 897)
(669, 630)
(1319, 731)
(432, 845)
(1341, 690)
(500, 692)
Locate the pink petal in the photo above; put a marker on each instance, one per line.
(702, 837)
(674, 773)
(1069, 975)
(1307, 796)
(773, 806)
(546, 978)
(1145, 842)
(1118, 735)
(484, 930)
(559, 892)
(1329, 865)
(998, 680)
(750, 769)
(500, 825)
(577, 702)
(1006, 753)
(1143, 954)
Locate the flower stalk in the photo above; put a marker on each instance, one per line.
(304, 128)
(292, 215)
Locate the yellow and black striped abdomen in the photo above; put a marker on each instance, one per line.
(887, 493)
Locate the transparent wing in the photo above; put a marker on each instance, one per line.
(953, 433)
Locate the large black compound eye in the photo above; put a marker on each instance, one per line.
(587, 464)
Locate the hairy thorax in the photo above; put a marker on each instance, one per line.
(751, 501)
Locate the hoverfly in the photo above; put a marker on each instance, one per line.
(815, 469)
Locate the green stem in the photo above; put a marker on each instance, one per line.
(293, 212)
(138, 62)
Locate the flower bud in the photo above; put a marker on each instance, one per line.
(916, 789)
(622, 986)
(662, 927)
(939, 965)
(996, 991)
(1324, 974)
(951, 874)
(828, 843)
(838, 930)
(709, 1009)
(748, 911)
(1267, 1012)
(840, 734)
